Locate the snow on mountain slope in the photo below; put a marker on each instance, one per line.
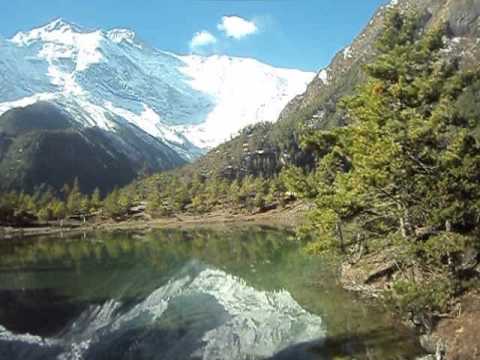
(110, 78)
(245, 92)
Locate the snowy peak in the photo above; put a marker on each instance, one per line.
(121, 35)
(109, 79)
(245, 90)
(62, 32)
(60, 41)
(58, 29)
(60, 25)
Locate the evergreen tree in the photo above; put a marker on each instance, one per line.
(110, 204)
(74, 199)
(96, 199)
(58, 209)
(405, 170)
(44, 214)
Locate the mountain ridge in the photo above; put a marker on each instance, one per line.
(114, 67)
(157, 109)
(318, 107)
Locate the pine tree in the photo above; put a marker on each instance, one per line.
(407, 160)
(110, 204)
(58, 209)
(96, 199)
(74, 198)
(44, 214)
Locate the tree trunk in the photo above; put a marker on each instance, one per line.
(339, 231)
(403, 229)
(405, 225)
(448, 226)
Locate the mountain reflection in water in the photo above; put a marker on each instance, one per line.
(202, 294)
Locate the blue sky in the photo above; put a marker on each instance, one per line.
(302, 34)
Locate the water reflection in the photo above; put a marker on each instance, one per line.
(172, 294)
(350, 346)
(200, 311)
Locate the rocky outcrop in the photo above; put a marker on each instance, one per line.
(318, 104)
(454, 336)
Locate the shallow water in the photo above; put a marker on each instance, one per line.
(236, 293)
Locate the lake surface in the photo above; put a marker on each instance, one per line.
(226, 293)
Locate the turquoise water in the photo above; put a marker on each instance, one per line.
(224, 293)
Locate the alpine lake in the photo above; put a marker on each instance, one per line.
(226, 292)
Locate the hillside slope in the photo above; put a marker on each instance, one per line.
(42, 145)
(261, 150)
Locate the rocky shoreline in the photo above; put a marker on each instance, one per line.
(454, 336)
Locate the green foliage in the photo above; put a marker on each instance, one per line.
(113, 204)
(59, 209)
(440, 249)
(428, 296)
(74, 198)
(44, 214)
(176, 192)
(407, 167)
(46, 205)
(156, 206)
(96, 200)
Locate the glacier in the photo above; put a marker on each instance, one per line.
(110, 78)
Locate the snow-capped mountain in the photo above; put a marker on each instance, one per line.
(111, 79)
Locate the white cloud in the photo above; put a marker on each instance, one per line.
(237, 27)
(202, 39)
